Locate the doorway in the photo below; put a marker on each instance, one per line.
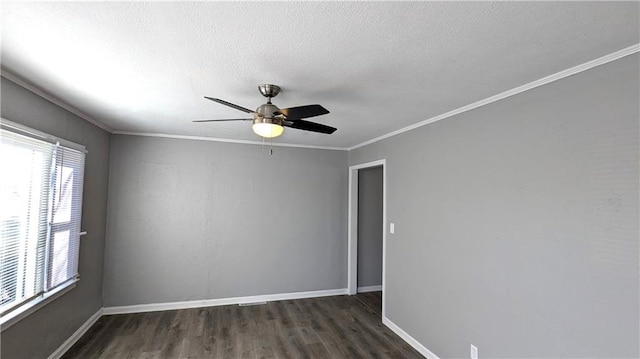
(372, 228)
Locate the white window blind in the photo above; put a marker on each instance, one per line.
(41, 204)
(66, 210)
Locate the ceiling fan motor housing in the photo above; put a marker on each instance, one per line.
(275, 121)
(266, 112)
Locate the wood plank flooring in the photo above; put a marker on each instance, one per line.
(329, 327)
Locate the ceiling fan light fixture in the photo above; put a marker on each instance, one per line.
(267, 129)
(269, 120)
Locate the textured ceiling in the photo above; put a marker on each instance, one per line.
(377, 66)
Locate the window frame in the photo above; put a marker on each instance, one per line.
(29, 306)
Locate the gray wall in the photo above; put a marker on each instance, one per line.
(370, 226)
(517, 222)
(191, 220)
(42, 332)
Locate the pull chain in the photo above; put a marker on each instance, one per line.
(262, 147)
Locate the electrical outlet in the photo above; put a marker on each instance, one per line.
(474, 352)
(392, 228)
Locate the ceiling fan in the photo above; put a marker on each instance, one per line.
(269, 120)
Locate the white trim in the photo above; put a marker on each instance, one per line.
(35, 304)
(154, 307)
(43, 136)
(352, 231)
(58, 353)
(531, 85)
(76, 335)
(228, 140)
(371, 288)
(376, 163)
(409, 339)
(18, 81)
(384, 237)
(514, 91)
(352, 234)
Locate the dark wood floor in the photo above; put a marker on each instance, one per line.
(329, 327)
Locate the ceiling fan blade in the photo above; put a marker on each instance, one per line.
(223, 102)
(225, 120)
(295, 113)
(310, 126)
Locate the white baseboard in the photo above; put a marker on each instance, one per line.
(409, 339)
(141, 308)
(371, 288)
(76, 336)
(154, 307)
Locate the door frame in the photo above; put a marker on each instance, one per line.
(352, 258)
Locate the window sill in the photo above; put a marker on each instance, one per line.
(25, 310)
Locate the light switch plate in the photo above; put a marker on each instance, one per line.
(392, 228)
(474, 352)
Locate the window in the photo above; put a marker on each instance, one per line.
(41, 181)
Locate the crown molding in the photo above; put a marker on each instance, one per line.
(227, 140)
(526, 87)
(531, 85)
(28, 86)
(23, 83)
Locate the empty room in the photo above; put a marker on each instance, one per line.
(320, 179)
